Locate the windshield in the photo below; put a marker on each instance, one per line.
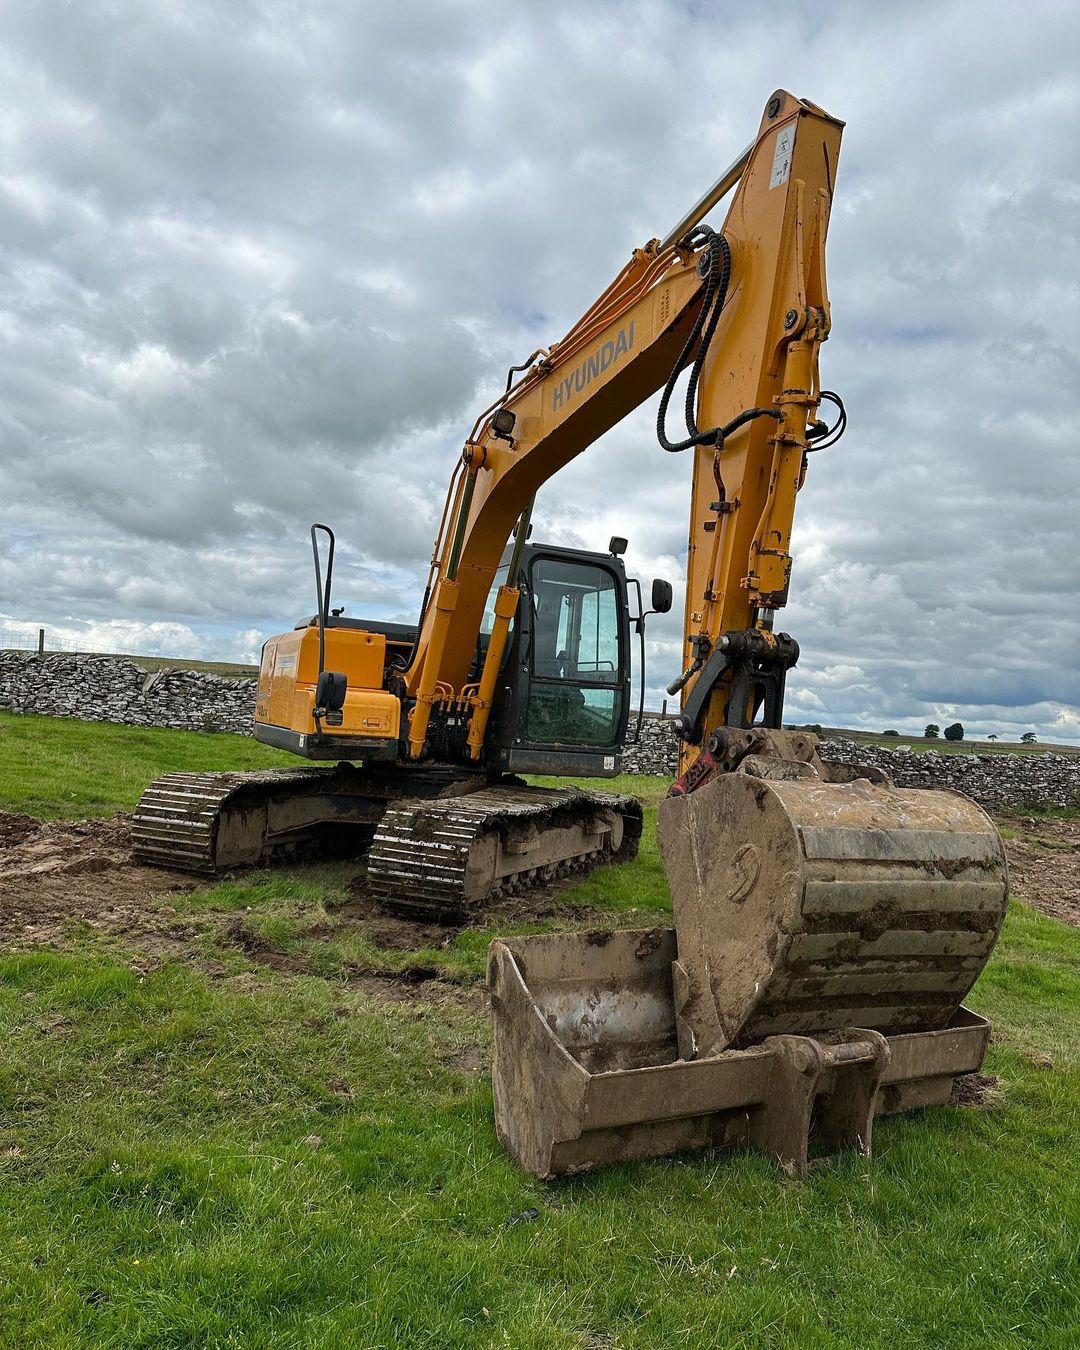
(576, 644)
(487, 623)
(575, 622)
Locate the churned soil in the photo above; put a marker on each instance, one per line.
(55, 875)
(1044, 863)
(56, 872)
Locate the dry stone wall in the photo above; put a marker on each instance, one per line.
(657, 750)
(110, 689)
(993, 780)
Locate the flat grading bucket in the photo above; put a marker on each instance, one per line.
(827, 935)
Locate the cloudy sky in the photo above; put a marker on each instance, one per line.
(262, 262)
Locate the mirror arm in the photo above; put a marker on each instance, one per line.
(639, 625)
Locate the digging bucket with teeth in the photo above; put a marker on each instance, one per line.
(826, 935)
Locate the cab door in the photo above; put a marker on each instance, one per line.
(571, 666)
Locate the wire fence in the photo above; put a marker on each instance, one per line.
(51, 643)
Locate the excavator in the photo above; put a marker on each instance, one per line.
(828, 925)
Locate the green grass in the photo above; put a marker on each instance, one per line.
(224, 1153)
(57, 767)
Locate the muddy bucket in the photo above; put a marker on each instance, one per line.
(586, 1066)
(805, 904)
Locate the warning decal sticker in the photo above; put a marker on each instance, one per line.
(781, 164)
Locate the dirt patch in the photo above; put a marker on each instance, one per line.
(253, 944)
(396, 934)
(386, 930)
(16, 828)
(422, 984)
(470, 1061)
(536, 905)
(55, 872)
(1044, 864)
(976, 1090)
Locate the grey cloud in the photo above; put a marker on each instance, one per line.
(263, 263)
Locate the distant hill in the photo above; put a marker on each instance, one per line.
(944, 747)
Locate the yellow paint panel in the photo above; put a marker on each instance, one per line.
(290, 669)
(367, 712)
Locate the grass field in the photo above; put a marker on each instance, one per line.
(944, 747)
(237, 1129)
(61, 768)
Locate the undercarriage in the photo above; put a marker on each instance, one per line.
(439, 845)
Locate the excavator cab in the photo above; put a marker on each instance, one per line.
(564, 693)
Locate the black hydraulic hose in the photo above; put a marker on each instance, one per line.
(701, 335)
(830, 435)
(322, 594)
(719, 276)
(718, 244)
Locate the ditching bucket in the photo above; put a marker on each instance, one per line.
(805, 905)
(586, 1065)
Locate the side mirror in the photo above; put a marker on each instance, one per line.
(662, 595)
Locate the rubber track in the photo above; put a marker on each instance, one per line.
(420, 853)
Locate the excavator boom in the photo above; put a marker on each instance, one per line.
(749, 308)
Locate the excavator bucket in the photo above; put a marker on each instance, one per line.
(805, 905)
(826, 935)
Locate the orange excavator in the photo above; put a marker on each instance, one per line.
(812, 901)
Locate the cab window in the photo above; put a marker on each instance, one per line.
(575, 695)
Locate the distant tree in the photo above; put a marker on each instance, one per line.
(992, 736)
(932, 732)
(890, 733)
(1028, 738)
(955, 732)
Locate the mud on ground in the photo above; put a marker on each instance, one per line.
(57, 875)
(56, 872)
(1044, 863)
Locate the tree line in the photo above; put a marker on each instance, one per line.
(955, 732)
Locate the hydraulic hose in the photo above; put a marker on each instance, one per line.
(718, 254)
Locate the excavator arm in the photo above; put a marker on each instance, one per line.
(748, 309)
(827, 924)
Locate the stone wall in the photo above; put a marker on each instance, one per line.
(110, 689)
(658, 749)
(993, 780)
